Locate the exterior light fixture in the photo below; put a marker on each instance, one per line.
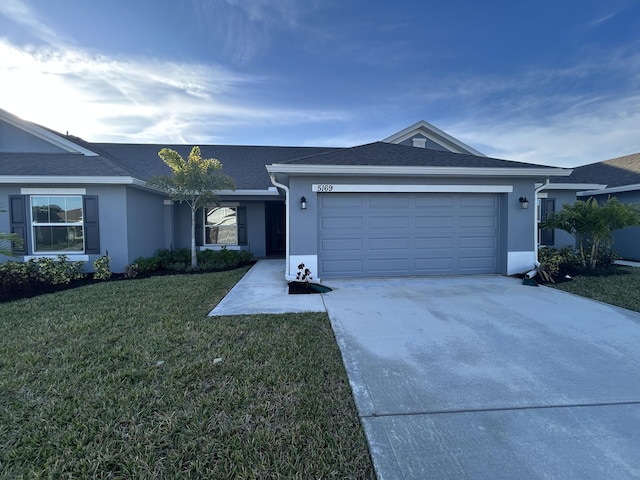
(524, 203)
(303, 203)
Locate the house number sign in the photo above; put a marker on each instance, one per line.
(323, 187)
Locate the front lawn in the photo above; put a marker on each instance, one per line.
(131, 379)
(621, 287)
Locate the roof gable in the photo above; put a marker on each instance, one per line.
(388, 154)
(20, 136)
(434, 139)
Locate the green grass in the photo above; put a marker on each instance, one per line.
(131, 379)
(622, 288)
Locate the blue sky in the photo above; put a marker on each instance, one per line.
(549, 82)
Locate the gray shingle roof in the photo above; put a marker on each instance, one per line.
(245, 164)
(616, 172)
(64, 164)
(382, 153)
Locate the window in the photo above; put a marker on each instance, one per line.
(221, 226)
(57, 224)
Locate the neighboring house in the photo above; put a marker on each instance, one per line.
(418, 203)
(620, 178)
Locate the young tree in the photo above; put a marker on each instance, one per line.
(193, 182)
(588, 220)
(6, 239)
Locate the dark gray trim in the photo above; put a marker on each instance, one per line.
(199, 226)
(242, 225)
(91, 225)
(18, 219)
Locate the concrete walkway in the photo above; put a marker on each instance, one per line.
(477, 377)
(264, 290)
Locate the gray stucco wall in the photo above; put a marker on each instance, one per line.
(13, 140)
(256, 228)
(145, 223)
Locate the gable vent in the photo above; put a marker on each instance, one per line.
(419, 142)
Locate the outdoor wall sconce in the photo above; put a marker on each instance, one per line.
(303, 203)
(524, 203)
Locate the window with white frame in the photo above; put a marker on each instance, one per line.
(221, 225)
(57, 223)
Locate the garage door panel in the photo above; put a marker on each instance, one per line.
(477, 221)
(382, 266)
(388, 243)
(478, 201)
(435, 200)
(341, 222)
(433, 242)
(388, 202)
(433, 221)
(341, 202)
(408, 234)
(393, 222)
(434, 265)
(478, 242)
(342, 245)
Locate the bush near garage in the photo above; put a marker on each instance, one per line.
(560, 264)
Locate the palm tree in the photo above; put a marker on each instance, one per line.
(194, 182)
(590, 221)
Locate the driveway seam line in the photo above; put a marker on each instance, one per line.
(500, 409)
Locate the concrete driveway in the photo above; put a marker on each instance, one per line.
(484, 378)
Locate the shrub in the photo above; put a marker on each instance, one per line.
(102, 267)
(555, 264)
(131, 271)
(60, 270)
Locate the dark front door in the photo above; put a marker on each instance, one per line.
(276, 228)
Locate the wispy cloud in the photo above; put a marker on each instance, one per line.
(20, 13)
(245, 28)
(135, 99)
(600, 20)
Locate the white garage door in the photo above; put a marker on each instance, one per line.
(385, 234)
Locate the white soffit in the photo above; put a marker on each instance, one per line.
(354, 188)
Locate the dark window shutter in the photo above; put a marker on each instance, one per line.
(242, 226)
(91, 225)
(18, 219)
(547, 235)
(199, 227)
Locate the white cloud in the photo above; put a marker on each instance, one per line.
(156, 101)
(588, 133)
(20, 13)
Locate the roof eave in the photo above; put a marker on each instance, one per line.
(604, 191)
(374, 170)
(69, 179)
(574, 186)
